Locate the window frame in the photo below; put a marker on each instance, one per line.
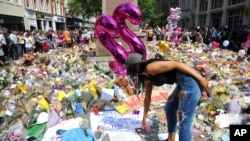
(235, 18)
(203, 6)
(17, 3)
(202, 20)
(217, 4)
(9, 1)
(233, 2)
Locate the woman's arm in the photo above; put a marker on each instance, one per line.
(147, 100)
(159, 67)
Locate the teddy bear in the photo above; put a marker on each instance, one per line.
(123, 83)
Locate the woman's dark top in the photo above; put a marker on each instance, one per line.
(164, 78)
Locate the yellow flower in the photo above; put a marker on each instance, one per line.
(70, 93)
(225, 97)
(215, 91)
(43, 65)
(22, 88)
(248, 74)
(69, 61)
(60, 95)
(42, 102)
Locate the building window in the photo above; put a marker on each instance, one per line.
(17, 2)
(217, 4)
(53, 7)
(27, 3)
(235, 18)
(58, 7)
(203, 5)
(232, 2)
(202, 20)
(42, 6)
(35, 5)
(62, 10)
(47, 5)
(9, 1)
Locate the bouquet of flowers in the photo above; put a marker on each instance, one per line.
(28, 60)
(215, 104)
(3, 83)
(221, 91)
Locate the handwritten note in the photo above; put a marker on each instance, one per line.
(135, 102)
(112, 120)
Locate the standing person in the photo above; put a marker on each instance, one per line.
(14, 45)
(50, 39)
(158, 33)
(54, 38)
(2, 58)
(150, 34)
(167, 35)
(198, 37)
(207, 35)
(87, 36)
(184, 98)
(29, 42)
(4, 45)
(21, 42)
(60, 39)
(67, 37)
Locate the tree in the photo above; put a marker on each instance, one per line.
(85, 8)
(148, 11)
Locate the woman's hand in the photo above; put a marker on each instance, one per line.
(205, 85)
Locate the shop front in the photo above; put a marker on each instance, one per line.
(74, 22)
(44, 21)
(13, 23)
(59, 23)
(31, 20)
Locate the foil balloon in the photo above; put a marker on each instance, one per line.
(133, 14)
(161, 42)
(174, 17)
(114, 66)
(105, 28)
(225, 43)
(164, 47)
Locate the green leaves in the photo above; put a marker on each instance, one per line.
(85, 8)
(76, 7)
(148, 8)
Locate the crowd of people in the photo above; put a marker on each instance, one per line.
(14, 44)
(237, 37)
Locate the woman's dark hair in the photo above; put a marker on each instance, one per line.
(134, 71)
(159, 57)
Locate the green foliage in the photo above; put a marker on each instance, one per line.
(76, 7)
(148, 11)
(85, 8)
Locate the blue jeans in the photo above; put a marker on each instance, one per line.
(186, 104)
